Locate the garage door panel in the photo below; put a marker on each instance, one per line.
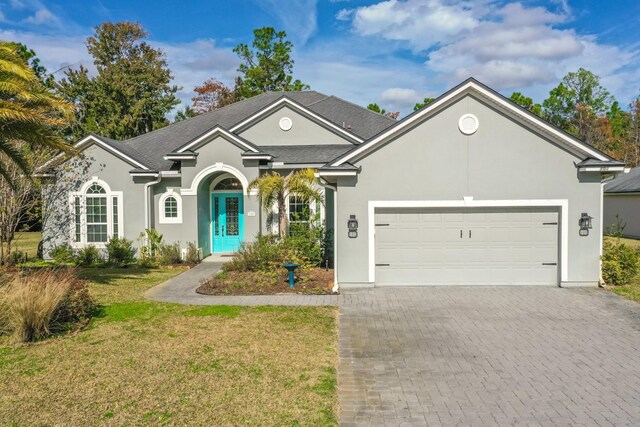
(506, 246)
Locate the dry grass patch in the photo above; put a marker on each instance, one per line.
(203, 366)
(148, 363)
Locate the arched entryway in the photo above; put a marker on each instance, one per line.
(227, 213)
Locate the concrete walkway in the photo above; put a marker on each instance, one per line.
(182, 290)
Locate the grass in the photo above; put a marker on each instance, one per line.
(145, 363)
(631, 291)
(27, 241)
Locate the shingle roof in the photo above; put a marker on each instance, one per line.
(319, 154)
(151, 147)
(624, 182)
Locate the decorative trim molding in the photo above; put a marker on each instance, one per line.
(217, 167)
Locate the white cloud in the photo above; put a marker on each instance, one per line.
(42, 16)
(397, 98)
(345, 14)
(507, 46)
(299, 18)
(418, 22)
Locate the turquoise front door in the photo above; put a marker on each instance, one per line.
(227, 221)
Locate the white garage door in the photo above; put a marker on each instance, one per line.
(515, 246)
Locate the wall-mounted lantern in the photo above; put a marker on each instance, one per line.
(352, 226)
(585, 223)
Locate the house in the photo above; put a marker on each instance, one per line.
(622, 204)
(471, 189)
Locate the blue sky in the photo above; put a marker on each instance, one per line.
(393, 52)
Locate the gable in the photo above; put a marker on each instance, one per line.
(436, 160)
(490, 97)
(304, 130)
(114, 148)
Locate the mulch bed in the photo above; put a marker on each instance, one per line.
(314, 281)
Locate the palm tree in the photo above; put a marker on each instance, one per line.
(29, 112)
(274, 188)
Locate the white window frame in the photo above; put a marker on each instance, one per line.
(163, 219)
(82, 195)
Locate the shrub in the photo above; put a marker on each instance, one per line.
(169, 254)
(34, 305)
(63, 254)
(193, 253)
(309, 240)
(620, 263)
(120, 251)
(265, 254)
(88, 255)
(17, 257)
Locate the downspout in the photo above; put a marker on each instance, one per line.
(325, 184)
(147, 210)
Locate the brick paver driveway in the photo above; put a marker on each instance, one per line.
(489, 355)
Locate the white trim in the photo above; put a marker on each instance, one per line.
(183, 156)
(601, 169)
(468, 202)
(162, 219)
(212, 132)
(82, 194)
(601, 229)
(217, 167)
(259, 157)
(91, 138)
(335, 226)
(303, 109)
(145, 174)
(438, 103)
(337, 173)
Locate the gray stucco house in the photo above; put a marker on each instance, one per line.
(471, 189)
(622, 204)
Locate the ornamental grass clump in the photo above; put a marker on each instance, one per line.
(41, 303)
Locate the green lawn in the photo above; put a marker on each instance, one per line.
(146, 363)
(27, 242)
(629, 291)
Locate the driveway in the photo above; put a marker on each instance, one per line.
(489, 355)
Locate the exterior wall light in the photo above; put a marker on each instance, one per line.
(585, 224)
(352, 226)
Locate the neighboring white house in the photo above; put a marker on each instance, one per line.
(622, 204)
(471, 189)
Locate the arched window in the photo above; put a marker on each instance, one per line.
(229, 184)
(170, 208)
(96, 213)
(97, 218)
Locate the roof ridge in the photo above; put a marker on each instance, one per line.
(362, 108)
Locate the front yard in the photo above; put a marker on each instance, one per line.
(146, 363)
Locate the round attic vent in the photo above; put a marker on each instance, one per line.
(468, 124)
(286, 123)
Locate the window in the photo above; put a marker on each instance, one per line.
(299, 210)
(299, 214)
(170, 208)
(96, 213)
(228, 184)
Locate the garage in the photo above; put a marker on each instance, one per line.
(470, 246)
